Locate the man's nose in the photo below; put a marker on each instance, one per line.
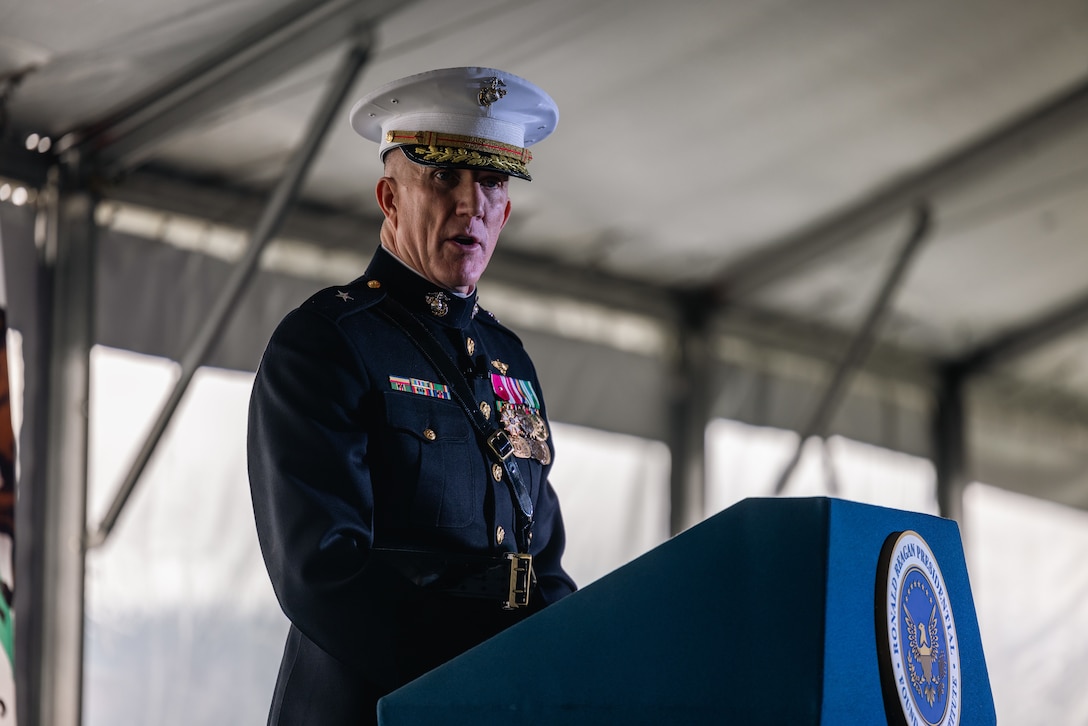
(470, 198)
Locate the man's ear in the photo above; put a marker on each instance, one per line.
(506, 215)
(386, 193)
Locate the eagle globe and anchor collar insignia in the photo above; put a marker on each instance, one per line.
(438, 302)
(917, 642)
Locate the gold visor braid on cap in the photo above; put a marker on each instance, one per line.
(446, 155)
(441, 149)
(457, 141)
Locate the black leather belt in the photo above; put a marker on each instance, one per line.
(507, 578)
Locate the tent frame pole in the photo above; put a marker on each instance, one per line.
(274, 213)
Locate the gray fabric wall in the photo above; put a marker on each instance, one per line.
(153, 298)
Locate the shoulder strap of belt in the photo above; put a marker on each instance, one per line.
(493, 439)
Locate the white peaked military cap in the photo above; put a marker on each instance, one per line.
(462, 118)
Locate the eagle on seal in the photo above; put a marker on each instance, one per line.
(926, 649)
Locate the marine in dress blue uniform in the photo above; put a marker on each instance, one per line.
(362, 463)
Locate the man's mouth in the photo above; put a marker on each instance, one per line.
(464, 240)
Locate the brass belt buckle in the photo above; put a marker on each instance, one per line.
(521, 579)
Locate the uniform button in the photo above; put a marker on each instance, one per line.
(496, 471)
(429, 434)
(470, 346)
(500, 534)
(485, 409)
(373, 284)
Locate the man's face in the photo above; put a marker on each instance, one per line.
(444, 223)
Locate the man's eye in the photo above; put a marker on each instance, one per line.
(491, 182)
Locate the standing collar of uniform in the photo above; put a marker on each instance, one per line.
(417, 293)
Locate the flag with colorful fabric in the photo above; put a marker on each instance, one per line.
(7, 525)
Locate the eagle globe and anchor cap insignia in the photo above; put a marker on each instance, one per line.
(491, 90)
(917, 642)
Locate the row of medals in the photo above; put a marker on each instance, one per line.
(527, 430)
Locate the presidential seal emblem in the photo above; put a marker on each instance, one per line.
(916, 636)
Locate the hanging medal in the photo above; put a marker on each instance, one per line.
(538, 435)
(519, 413)
(511, 420)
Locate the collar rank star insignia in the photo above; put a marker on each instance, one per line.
(918, 645)
(438, 303)
(344, 296)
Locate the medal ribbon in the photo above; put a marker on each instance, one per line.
(515, 390)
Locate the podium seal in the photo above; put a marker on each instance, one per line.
(916, 636)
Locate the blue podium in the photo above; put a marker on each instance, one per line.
(774, 611)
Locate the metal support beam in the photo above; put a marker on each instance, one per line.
(859, 345)
(950, 443)
(52, 486)
(1027, 338)
(265, 229)
(796, 252)
(689, 413)
(261, 55)
(331, 229)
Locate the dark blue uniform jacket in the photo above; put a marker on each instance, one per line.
(345, 456)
